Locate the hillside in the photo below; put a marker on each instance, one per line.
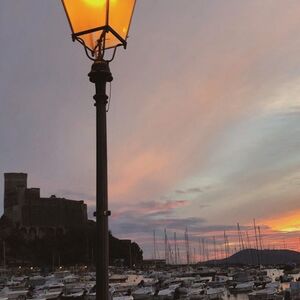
(264, 257)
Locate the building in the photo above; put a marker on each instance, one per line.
(52, 231)
(35, 215)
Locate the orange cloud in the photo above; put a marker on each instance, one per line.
(130, 173)
(288, 222)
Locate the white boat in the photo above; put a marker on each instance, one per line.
(70, 279)
(120, 296)
(215, 293)
(197, 293)
(49, 291)
(123, 298)
(73, 295)
(219, 281)
(167, 293)
(13, 294)
(265, 294)
(48, 295)
(243, 287)
(143, 293)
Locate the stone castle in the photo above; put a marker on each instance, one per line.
(40, 231)
(35, 215)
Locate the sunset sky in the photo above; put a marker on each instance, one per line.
(204, 121)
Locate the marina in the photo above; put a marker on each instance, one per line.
(180, 282)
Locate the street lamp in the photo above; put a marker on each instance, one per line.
(100, 25)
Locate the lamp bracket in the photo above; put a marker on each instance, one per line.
(105, 213)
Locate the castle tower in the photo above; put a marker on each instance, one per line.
(15, 185)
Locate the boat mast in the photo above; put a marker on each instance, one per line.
(225, 246)
(215, 249)
(166, 247)
(250, 248)
(199, 246)
(171, 260)
(203, 249)
(154, 246)
(259, 237)
(178, 255)
(175, 248)
(241, 242)
(256, 241)
(248, 240)
(187, 246)
(238, 232)
(207, 251)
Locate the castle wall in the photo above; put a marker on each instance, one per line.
(25, 208)
(54, 212)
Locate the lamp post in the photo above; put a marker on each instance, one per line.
(100, 25)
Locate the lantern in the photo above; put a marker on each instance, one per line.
(99, 21)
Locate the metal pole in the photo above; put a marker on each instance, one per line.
(4, 255)
(100, 75)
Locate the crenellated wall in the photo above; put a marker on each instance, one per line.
(27, 210)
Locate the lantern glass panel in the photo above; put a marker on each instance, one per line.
(120, 14)
(85, 15)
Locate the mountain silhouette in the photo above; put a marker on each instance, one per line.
(263, 257)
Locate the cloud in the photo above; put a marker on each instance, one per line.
(150, 209)
(217, 108)
(189, 191)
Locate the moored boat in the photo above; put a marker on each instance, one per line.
(243, 287)
(143, 293)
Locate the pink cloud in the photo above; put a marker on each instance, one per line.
(151, 208)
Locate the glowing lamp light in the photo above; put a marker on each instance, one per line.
(90, 19)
